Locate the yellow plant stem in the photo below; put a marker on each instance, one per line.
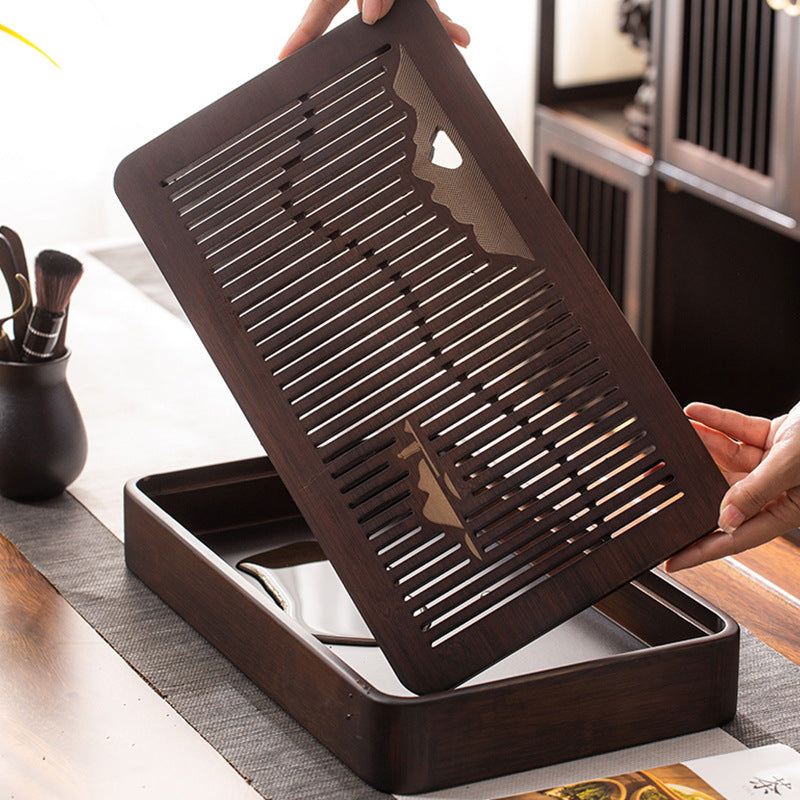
(26, 41)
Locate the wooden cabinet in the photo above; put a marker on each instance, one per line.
(705, 219)
(729, 105)
(600, 181)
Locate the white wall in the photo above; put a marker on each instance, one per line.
(129, 70)
(588, 45)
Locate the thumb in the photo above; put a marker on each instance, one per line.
(773, 476)
(373, 10)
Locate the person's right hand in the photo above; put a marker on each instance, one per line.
(320, 13)
(761, 461)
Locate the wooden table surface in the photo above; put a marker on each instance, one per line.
(760, 589)
(76, 721)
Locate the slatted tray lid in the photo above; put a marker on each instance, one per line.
(472, 431)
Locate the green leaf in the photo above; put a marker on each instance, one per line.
(26, 41)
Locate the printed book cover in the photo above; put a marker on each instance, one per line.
(765, 772)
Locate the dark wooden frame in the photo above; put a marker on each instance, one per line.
(542, 586)
(683, 679)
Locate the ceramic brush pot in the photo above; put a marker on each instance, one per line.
(42, 436)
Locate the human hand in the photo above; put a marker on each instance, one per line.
(320, 13)
(761, 461)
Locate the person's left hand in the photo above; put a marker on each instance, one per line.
(761, 461)
(320, 13)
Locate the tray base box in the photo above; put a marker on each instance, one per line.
(649, 661)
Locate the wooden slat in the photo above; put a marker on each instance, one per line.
(722, 71)
(750, 86)
(763, 110)
(692, 69)
(733, 121)
(706, 76)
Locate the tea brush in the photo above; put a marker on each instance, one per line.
(57, 275)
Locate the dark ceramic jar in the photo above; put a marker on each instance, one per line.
(42, 435)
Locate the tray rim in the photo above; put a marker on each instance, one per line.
(135, 492)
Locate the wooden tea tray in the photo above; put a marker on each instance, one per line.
(650, 661)
(477, 439)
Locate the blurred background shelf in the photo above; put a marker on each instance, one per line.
(694, 230)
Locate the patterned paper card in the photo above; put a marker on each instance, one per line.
(764, 772)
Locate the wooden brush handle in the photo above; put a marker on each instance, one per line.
(12, 241)
(61, 343)
(42, 335)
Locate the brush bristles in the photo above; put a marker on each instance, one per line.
(57, 275)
